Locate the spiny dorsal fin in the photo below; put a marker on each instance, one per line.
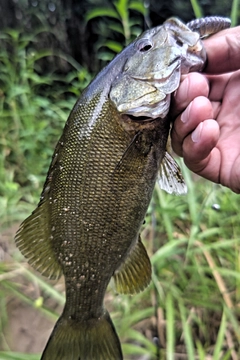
(134, 275)
(34, 240)
(170, 178)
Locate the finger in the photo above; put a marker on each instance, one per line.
(223, 51)
(193, 85)
(224, 96)
(217, 84)
(198, 110)
(230, 103)
(199, 151)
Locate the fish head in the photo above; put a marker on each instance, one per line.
(152, 71)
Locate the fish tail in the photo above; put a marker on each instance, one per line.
(94, 339)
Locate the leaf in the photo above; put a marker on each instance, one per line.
(234, 12)
(8, 355)
(136, 317)
(170, 315)
(187, 331)
(116, 27)
(132, 349)
(122, 8)
(14, 34)
(105, 56)
(99, 12)
(138, 6)
(220, 338)
(169, 249)
(113, 45)
(196, 8)
(136, 336)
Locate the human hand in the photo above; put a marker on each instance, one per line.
(206, 108)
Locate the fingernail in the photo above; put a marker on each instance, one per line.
(185, 114)
(196, 134)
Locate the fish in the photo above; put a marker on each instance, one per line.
(112, 151)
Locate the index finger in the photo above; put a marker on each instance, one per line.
(192, 86)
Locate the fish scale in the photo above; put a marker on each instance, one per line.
(91, 211)
(100, 182)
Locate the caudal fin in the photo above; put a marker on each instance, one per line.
(95, 339)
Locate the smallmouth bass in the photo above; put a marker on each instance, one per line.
(100, 183)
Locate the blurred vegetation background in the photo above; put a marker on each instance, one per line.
(49, 51)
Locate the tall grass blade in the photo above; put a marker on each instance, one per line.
(187, 334)
(196, 9)
(234, 12)
(170, 326)
(220, 338)
(18, 356)
(98, 12)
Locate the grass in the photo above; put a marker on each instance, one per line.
(33, 110)
(191, 309)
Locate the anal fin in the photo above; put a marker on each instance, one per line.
(134, 275)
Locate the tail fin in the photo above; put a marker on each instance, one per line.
(94, 339)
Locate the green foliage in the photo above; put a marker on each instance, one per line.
(192, 267)
(235, 12)
(33, 110)
(17, 356)
(195, 284)
(128, 27)
(232, 11)
(191, 307)
(196, 8)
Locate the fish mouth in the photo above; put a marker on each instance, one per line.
(141, 119)
(148, 113)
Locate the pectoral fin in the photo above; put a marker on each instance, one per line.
(170, 178)
(134, 275)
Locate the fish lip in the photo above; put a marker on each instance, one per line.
(161, 79)
(177, 58)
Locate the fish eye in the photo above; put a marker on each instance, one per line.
(144, 45)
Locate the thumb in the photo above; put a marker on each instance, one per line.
(223, 51)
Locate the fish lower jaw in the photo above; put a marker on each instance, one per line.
(149, 113)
